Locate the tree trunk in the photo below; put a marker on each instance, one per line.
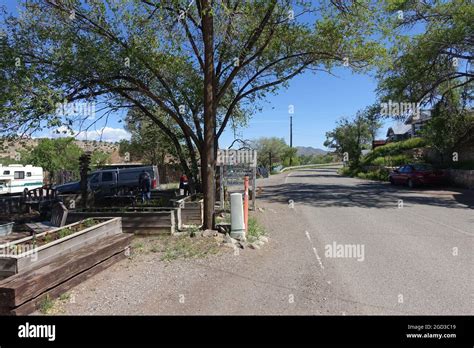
(207, 152)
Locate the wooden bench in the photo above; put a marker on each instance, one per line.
(58, 219)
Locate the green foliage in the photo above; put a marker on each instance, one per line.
(450, 127)
(393, 149)
(99, 159)
(351, 136)
(46, 304)
(64, 232)
(254, 230)
(391, 161)
(289, 154)
(272, 151)
(54, 155)
(148, 142)
(378, 174)
(434, 62)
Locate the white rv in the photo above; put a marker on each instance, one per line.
(16, 177)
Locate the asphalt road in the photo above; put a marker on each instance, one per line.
(403, 252)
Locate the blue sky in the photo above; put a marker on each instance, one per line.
(319, 101)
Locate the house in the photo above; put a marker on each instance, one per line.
(398, 132)
(418, 121)
(377, 143)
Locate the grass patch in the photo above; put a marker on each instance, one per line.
(255, 230)
(184, 247)
(65, 297)
(169, 248)
(46, 305)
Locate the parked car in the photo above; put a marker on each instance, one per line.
(112, 180)
(417, 174)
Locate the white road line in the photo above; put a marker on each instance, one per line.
(317, 257)
(307, 235)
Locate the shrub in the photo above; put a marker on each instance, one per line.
(379, 174)
(391, 161)
(393, 149)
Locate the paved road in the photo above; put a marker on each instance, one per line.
(412, 253)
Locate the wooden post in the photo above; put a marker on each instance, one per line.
(246, 202)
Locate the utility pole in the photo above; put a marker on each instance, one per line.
(291, 138)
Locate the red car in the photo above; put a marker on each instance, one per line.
(417, 174)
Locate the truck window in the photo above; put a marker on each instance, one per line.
(19, 175)
(107, 176)
(28, 173)
(6, 172)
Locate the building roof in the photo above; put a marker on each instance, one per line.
(399, 129)
(424, 116)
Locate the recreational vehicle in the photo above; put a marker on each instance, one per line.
(16, 177)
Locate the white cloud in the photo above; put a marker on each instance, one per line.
(105, 134)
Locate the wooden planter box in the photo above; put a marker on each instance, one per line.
(191, 212)
(12, 263)
(146, 220)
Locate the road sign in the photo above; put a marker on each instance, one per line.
(235, 165)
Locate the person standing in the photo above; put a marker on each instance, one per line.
(184, 184)
(144, 183)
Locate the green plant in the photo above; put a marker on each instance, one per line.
(89, 222)
(48, 238)
(46, 305)
(185, 247)
(65, 232)
(392, 161)
(254, 230)
(64, 297)
(378, 174)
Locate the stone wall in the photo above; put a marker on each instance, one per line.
(463, 178)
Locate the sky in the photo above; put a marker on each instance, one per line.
(319, 100)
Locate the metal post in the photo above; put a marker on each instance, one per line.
(246, 202)
(291, 139)
(222, 198)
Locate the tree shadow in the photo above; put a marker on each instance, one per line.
(367, 194)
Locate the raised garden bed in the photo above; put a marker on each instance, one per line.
(33, 251)
(137, 220)
(191, 210)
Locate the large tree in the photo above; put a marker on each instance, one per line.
(204, 63)
(426, 64)
(349, 138)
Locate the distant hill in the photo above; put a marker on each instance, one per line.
(10, 148)
(309, 151)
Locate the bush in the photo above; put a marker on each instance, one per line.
(393, 149)
(379, 174)
(391, 161)
(347, 171)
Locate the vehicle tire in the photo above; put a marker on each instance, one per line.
(392, 182)
(411, 184)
